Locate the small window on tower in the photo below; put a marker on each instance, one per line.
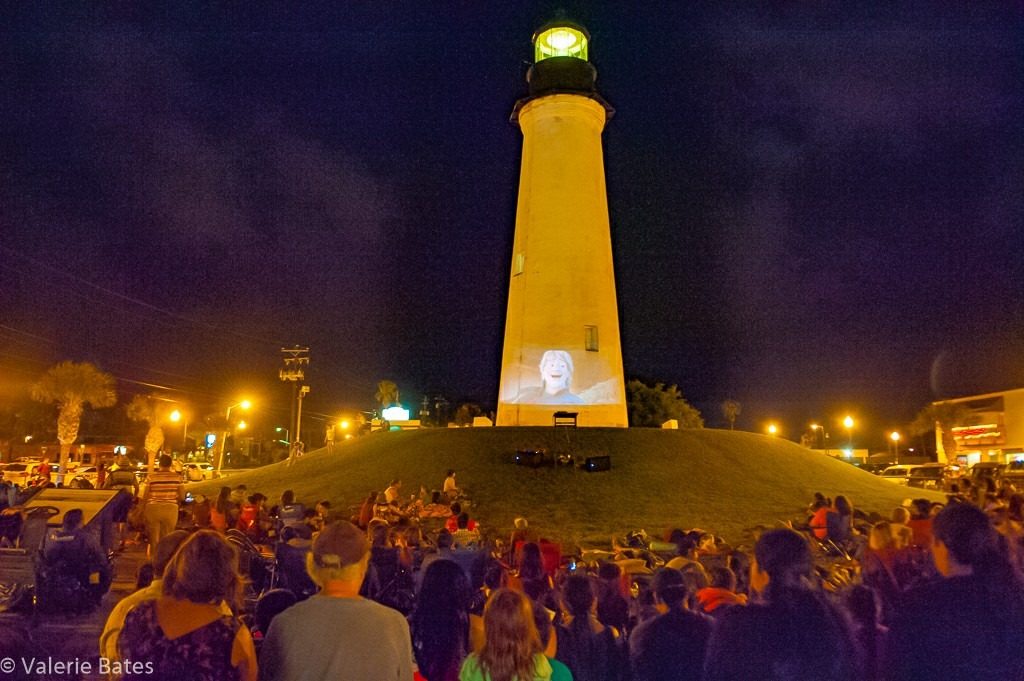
(590, 338)
(517, 265)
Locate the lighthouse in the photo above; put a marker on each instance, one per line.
(561, 348)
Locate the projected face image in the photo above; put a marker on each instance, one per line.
(556, 369)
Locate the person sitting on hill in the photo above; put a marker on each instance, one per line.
(221, 511)
(839, 522)
(819, 511)
(450, 489)
(463, 536)
(686, 552)
(384, 510)
(435, 509)
(452, 524)
(721, 592)
(323, 511)
(393, 493)
(239, 495)
(670, 646)
(443, 551)
(289, 513)
(253, 519)
(522, 533)
(366, 510)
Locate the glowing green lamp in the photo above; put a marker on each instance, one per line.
(560, 40)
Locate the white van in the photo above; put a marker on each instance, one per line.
(899, 473)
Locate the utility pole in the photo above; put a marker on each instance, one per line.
(295, 360)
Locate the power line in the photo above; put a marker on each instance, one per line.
(135, 301)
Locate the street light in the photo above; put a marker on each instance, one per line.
(287, 434)
(244, 404)
(819, 434)
(773, 429)
(848, 424)
(176, 416)
(895, 437)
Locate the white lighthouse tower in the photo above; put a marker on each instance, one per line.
(562, 351)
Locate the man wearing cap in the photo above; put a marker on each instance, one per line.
(337, 634)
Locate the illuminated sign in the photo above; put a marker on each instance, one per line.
(396, 413)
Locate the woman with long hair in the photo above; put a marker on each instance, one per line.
(588, 648)
(220, 512)
(440, 622)
(512, 650)
(980, 598)
(189, 632)
(535, 580)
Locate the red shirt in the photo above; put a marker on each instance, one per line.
(922, 529)
(452, 524)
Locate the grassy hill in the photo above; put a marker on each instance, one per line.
(723, 481)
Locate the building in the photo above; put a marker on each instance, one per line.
(561, 349)
(993, 430)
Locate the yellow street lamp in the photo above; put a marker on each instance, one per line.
(848, 424)
(242, 425)
(819, 433)
(773, 429)
(244, 404)
(895, 437)
(344, 424)
(176, 416)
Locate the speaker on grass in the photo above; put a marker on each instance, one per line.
(534, 458)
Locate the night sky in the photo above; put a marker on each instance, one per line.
(815, 208)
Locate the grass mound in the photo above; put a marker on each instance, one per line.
(726, 482)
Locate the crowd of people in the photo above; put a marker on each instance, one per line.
(412, 587)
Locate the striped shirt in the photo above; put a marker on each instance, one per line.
(164, 487)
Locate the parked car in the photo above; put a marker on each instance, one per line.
(937, 476)
(900, 473)
(197, 472)
(20, 473)
(83, 477)
(1014, 473)
(987, 469)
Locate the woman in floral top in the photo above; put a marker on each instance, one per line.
(189, 632)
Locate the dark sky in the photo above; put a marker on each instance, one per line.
(814, 208)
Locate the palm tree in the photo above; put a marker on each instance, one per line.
(941, 416)
(152, 410)
(71, 386)
(387, 394)
(730, 410)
